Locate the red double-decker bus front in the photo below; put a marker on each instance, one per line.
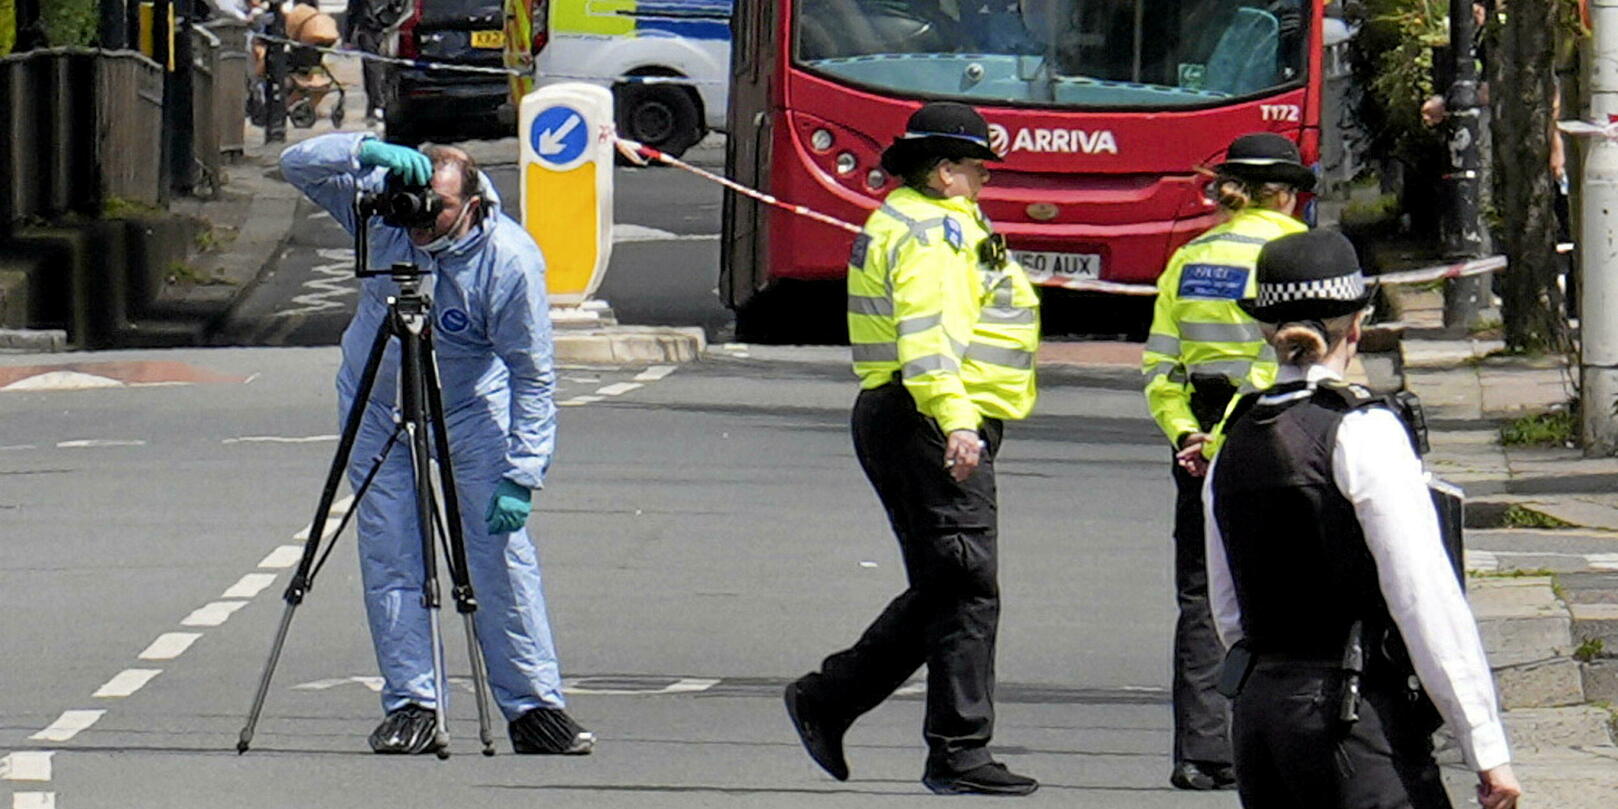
(1102, 109)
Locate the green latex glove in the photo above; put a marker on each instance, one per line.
(411, 166)
(508, 509)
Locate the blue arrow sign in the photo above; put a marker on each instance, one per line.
(559, 135)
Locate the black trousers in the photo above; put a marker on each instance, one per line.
(1291, 750)
(1201, 715)
(948, 616)
(370, 41)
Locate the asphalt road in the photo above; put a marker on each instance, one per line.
(706, 536)
(663, 271)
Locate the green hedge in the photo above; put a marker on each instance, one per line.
(71, 22)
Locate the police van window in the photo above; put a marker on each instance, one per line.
(1101, 53)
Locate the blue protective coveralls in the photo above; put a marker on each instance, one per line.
(492, 335)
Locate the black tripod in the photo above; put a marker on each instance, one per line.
(422, 414)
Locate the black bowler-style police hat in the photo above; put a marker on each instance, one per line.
(1265, 157)
(1313, 275)
(941, 129)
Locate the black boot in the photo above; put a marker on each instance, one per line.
(550, 731)
(985, 779)
(1202, 776)
(823, 739)
(406, 731)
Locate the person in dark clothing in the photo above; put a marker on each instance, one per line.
(1350, 637)
(367, 26)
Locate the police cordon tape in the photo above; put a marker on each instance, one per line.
(641, 154)
(424, 64)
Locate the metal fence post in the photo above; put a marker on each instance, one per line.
(1463, 231)
(179, 100)
(275, 77)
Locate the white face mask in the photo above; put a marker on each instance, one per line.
(443, 242)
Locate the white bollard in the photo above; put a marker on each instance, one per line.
(566, 164)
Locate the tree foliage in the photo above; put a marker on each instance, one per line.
(1394, 61)
(70, 22)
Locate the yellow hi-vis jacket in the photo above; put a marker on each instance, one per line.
(1197, 328)
(961, 334)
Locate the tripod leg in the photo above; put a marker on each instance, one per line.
(413, 402)
(460, 575)
(303, 578)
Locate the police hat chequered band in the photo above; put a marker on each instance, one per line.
(1341, 288)
(957, 135)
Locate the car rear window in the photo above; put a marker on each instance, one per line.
(450, 12)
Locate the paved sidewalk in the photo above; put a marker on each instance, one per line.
(1531, 511)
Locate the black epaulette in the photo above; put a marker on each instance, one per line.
(1404, 404)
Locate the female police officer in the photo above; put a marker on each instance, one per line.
(1202, 350)
(1327, 574)
(943, 328)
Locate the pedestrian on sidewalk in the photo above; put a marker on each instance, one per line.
(368, 26)
(944, 327)
(491, 328)
(1202, 351)
(1328, 576)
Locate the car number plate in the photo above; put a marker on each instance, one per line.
(1055, 268)
(488, 39)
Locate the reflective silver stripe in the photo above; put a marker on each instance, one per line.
(997, 355)
(1160, 369)
(1267, 353)
(929, 364)
(1007, 314)
(1238, 238)
(1221, 332)
(1163, 344)
(957, 346)
(898, 214)
(869, 305)
(875, 352)
(1234, 369)
(914, 325)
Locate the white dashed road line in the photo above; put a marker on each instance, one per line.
(250, 585)
(126, 682)
(67, 726)
(280, 439)
(212, 614)
(654, 373)
(26, 765)
(580, 400)
(170, 645)
(618, 389)
(33, 800)
(87, 443)
(283, 557)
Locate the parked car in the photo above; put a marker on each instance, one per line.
(601, 43)
(427, 104)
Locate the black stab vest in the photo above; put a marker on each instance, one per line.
(1297, 555)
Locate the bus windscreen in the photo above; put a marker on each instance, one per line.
(1146, 54)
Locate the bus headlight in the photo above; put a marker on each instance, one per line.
(846, 162)
(821, 140)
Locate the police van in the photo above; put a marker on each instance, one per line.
(604, 41)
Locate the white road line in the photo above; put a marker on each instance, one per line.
(654, 373)
(684, 685)
(251, 378)
(67, 726)
(27, 765)
(33, 800)
(15, 447)
(283, 557)
(170, 645)
(579, 400)
(332, 280)
(249, 585)
(1603, 561)
(100, 442)
(640, 233)
(1482, 560)
(213, 613)
(126, 682)
(280, 439)
(618, 389)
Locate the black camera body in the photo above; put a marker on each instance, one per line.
(401, 205)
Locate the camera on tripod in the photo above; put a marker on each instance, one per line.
(401, 205)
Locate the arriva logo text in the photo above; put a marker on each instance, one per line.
(1100, 141)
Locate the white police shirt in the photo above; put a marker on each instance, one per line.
(1375, 468)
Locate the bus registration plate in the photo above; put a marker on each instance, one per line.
(488, 39)
(1056, 268)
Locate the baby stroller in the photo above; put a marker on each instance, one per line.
(309, 82)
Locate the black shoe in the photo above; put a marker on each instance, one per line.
(407, 731)
(550, 731)
(1202, 776)
(985, 779)
(823, 739)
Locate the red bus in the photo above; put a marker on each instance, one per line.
(1101, 108)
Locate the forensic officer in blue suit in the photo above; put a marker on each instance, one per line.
(493, 341)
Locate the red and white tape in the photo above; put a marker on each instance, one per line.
(641, 154)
